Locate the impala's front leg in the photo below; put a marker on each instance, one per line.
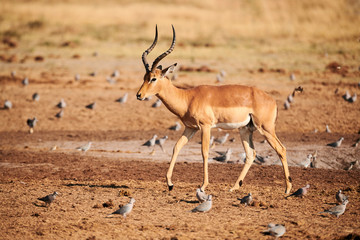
(205, 141)
(187, 135)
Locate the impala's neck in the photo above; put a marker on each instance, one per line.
(175, 99)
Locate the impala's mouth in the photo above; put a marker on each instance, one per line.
(138, 96)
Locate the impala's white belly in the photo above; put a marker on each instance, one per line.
(229, 126)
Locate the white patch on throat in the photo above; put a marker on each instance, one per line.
(229, 126)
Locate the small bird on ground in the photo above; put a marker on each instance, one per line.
(224, 156)
(222, 73)
(31, 123)
(306, 163)
(60, 114)
(36, 97)
(201, 195)
(49, 198)
(13, 74)
(91, 106)
(175, 127)
(93, 74)
(7, 104)
(219, 78)
(204, 206)
(151, 142)
(25, 82)
(85, 147)
(286, 104)
(111, 80)
(222, 140)
(356, 143)
(300, 192)
(276, 230)
(115, 74)
(352, 164)
(156, 104)
(338, 209)
(126, 209)
(77, 77)
(353, 98)
(340, 197)
(61, 104)
(122, 99)
(337, 143)
(247, 200)
(292, 77)
(327, 129)
(346, 96)
(161, 142)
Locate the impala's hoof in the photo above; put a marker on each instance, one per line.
(171, 187)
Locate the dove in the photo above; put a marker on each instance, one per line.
(93, 74)
(7, 104)
(31, 123)
(156, 104)
(161, 142)
(222, 73)
(25, 82)
(222, 139)
(122, 99)
(340, 197)
(13, 74)
(115, 74)
(276, 230)
(219, 78)
(300, 192)
(126, 209)
(85, 147)
(356, 143)
(247, 200)
(77, 77)
(151, 142)
(61, 104)
(111, 80)
(337, 143)
(346, 96)
(91, 105)
(224, 156)
(201, 195)
(95, 54)
(292, 77)
(49, 198)
(260, 159)
(36, 97)
(60, 114)
(327, 129)
(175, 127)
(204, 206)
(338, 209)
(353, 98)
(286, 104)
(307, 161)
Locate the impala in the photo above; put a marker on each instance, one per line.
(204, 107)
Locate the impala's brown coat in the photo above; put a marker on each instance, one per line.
(201, 108)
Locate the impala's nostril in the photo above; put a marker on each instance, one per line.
(138, 96)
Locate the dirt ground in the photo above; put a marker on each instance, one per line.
(118, 167)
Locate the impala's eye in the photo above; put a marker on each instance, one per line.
(153, 80)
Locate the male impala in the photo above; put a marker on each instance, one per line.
(205, 107)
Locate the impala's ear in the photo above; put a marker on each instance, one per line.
(159, 67)
(168, 70)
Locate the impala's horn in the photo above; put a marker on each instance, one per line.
(146, 64)
(159, 58)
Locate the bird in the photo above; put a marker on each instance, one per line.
(93, 74)
(7, 104)
(346, 96)
(161, 142)
(340, 197)
(201, 195)
(338, 209)
(224, 156)
(77, 77)
(36, 97)
(351, 165)
(260, 159)
(151, 142)
(327, 129)
(49, 198)
(126, 209)
(91, 105)
(306, 163)
(122, 99)
(31, 123)
(276, 230)
(222, 140)
(247, 200)
(336, 144)
(115, 74)
(356, 143)
(61, 104)
(60, 114)
(292, 77)
(25, 81)
(300, 192)
(85, 147)
(111, 80)
(13, 74)
(156, 104)
(175, 127)
(353, 98)
(219, 78)
(222, 73)
(204, 206)
(286, 104)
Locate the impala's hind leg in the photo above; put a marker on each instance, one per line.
(275, 143)
(246, 139)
